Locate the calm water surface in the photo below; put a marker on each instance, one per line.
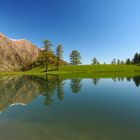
(51, 108)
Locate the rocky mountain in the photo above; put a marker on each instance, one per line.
(21, 90)
(15, 54)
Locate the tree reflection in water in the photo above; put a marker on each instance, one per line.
(95, 81)
(76, 85)
(23, 89)
(50, 85)
(136, 80)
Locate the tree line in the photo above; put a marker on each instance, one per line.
(47, 58)
(52, 60)
(134, 61)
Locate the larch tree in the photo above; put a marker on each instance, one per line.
(136, 58)
(95, 61)
(113, 62)
(47, 52)
(75, 58)
(128, 61)
(59, 55)
(118, 61)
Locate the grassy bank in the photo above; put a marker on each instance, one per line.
(85, 71)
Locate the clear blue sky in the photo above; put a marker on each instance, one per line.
(105, 29)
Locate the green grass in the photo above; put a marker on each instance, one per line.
(35, 71)
(85, 71)
(98, 71)
(98, 68)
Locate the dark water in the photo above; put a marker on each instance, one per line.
(53, 108)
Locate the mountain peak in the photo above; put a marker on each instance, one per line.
(17, 39)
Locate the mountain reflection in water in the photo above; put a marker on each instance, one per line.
(21, 90)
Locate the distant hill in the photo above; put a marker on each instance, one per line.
(15, 54)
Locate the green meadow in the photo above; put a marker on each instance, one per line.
(84, 71)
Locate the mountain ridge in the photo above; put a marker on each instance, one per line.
(15, 54)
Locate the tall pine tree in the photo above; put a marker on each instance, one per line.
(75, 58)
(59, 55)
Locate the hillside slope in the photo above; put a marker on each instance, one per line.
(14, 54)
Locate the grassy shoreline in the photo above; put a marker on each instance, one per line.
(84, 71)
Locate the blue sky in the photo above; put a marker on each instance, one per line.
(105, 29)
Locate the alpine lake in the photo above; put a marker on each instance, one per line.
(56, 108)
